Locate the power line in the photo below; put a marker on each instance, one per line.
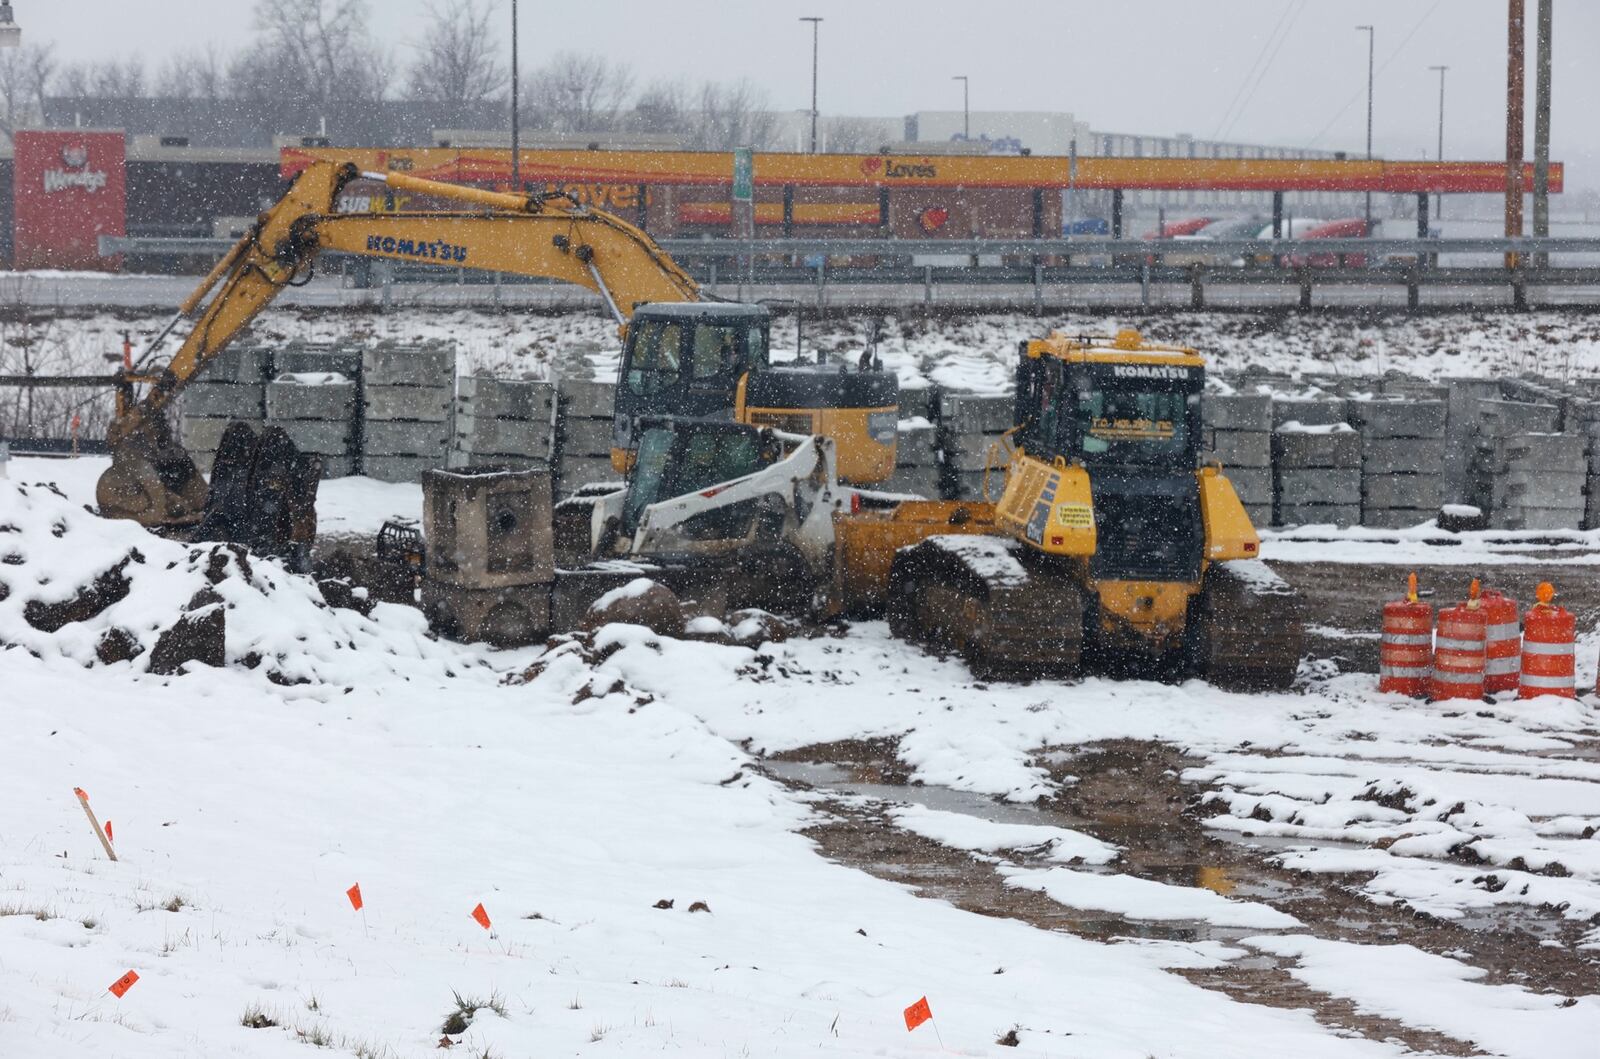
(1245, 81)
(1381, 67)
(1266, 69)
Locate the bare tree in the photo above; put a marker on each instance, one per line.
(318, 48)
(117, 79)
(664, 108)
(24, 73)
(194, 74)
(578, 93)
(458, 60)
(732, 115)
(853, 135)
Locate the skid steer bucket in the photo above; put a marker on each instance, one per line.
(152, 481)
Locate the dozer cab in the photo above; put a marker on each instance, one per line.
(1109, 542)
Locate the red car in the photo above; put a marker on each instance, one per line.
(1349, 228)
(1174, 229)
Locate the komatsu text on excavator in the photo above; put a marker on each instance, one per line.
(682, 357)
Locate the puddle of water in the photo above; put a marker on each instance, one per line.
(837, 779)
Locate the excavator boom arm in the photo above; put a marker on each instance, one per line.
(524, 235)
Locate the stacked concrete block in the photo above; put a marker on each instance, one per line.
(917, 470)
(318, 412)
(1584, 422)
(408, 397)
(231, 387)
(1238, 434)
(969, 426)
(1316, 472)
(1532, 481)
(1461, 434)
(503, 423)
(585, 434)
(1402, 460)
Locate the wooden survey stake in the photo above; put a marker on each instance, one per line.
(105, 843)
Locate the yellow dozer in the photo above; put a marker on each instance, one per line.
(1110, 542)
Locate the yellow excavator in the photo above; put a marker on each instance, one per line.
(1110, 539)
(682, 357)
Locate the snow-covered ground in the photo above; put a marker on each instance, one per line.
(574, 791)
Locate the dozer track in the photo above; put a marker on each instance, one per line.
(1246, 628)
(971, 594)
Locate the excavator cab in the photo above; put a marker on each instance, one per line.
(711, 360)
(686, 360)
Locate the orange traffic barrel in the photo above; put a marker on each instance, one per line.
(1407, 645)
(1458, 650)
(1502, 643)
(1548, 654)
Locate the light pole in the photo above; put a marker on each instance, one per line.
(816, 23)
(1371, 39)
(966, 107)
(10, 32)
(1438, 208)
(516, 145)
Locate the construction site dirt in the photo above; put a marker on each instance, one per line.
(1129, 793)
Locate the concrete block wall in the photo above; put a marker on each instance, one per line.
(1402, 460)
(1238, 434)
(408, 398)
(1316, 472)
(232, 387)
(318, 412)
(584, 434)
(503, 423)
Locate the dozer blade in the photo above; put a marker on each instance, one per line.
(152, 481)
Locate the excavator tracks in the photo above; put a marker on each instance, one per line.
(1246, 629)
(971, 594)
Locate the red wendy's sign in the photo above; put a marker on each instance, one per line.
(71, 188)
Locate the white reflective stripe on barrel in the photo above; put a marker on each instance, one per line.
(1406, 638)
(1501, 666)
(1475, 646)
(1403, 671)
(1444, 676)
(1529, 681)
(1509, 631)
(1534, 647)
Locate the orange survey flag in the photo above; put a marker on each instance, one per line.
(917, 1014)
(354, 893)
(481, 916)
(123, 984)
(109, 835)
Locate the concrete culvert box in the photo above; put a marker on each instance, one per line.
(488, 528)
(491, 554)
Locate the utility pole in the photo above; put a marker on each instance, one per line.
(516, 144)
(1372, 36)
(1541, 125)
(1438, 207)
(966, 107)
(816, 23)
(1515, 90)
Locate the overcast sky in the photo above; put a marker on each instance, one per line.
(1149, 66)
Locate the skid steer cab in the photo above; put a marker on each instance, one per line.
(725, 495)
(711, 361)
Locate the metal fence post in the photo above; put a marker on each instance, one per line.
(1144, 284)
(927, 284)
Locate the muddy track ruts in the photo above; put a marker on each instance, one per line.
(1129, 793)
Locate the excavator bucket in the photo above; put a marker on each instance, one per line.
(152, 481)
(263, 493)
